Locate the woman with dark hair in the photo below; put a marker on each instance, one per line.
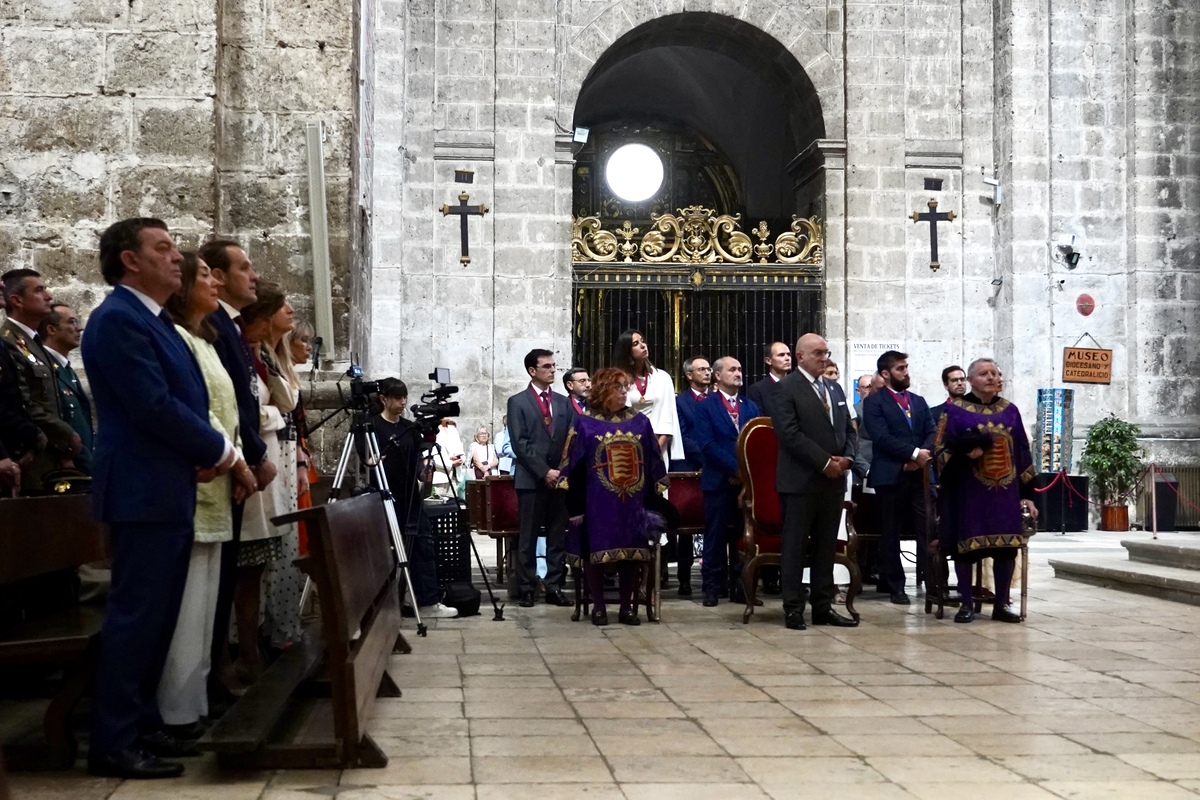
(611, 465)
(263, 544)
(183, 688)
(651, 391)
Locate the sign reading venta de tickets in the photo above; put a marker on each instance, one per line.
(1086, 365)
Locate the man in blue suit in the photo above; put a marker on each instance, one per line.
(153, 444)
(719, 420)
(901, 430)
(699, 375)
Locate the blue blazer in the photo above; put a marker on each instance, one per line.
(693, 460)
(892, 438)
(717, 438)
(152, 411)
(236, 357)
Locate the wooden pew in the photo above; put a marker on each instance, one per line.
(310, 708)
(40, 536)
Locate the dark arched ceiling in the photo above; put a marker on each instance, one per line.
(726, 80)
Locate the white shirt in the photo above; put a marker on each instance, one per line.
(658, 405)
(230, 310)
(549, 398)
(32, 333)
(57, 356)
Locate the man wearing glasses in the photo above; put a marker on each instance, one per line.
(538, 421)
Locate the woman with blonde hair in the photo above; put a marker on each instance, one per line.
(481, 455)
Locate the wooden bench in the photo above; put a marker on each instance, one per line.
(310, 708)
(40, 536)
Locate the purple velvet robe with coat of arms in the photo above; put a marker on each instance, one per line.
(609, 465)
(981, 498)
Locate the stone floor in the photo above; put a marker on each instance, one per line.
(1097, 695)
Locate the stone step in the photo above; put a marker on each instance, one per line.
(1168, 554)
(1117, 572)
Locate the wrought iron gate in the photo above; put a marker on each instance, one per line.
(695, 285)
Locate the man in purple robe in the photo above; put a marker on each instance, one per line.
(986, 473)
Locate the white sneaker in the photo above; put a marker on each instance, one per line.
(438, 611)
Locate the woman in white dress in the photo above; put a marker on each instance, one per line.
(183, 688)
(449, 463)
(482, 454)
(652, 393)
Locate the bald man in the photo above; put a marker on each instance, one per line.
(816, 445)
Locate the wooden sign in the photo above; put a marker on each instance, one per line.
(1086, 365)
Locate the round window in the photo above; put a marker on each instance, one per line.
(634, 172)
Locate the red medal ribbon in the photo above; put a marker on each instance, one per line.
(642, 384)
(732, 408)
(543, 401)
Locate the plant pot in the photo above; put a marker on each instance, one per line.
(1114, 518)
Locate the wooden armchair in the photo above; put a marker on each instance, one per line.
(762, 514)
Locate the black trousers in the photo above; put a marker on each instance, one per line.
(901, 509)
(538, 509)
(810, 528)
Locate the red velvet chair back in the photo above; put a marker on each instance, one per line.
(757, 454)
(688, 500)
(501, 496)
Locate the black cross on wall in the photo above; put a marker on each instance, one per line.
(933, 217)
(463, 211)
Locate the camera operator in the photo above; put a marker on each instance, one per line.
(409, 476)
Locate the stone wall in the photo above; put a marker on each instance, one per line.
(116, 108)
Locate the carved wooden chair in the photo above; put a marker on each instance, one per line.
(762, 514)
(492, 506)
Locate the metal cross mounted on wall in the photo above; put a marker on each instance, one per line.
(463, 211)
(933, 217)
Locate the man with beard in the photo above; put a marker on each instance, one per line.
(901, 430)
(955, 381)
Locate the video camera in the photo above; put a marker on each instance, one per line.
(435, 404)
(360, 390)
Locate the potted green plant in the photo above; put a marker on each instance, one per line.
(1113, 457)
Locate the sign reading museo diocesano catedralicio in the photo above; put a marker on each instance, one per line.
(1086, 365)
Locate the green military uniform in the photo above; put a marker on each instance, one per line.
(40, 393)
(76, 409)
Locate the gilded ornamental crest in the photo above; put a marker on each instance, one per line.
(619, 462)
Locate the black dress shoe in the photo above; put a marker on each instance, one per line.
(629, 618)
(526, 600)
(600, 617)
(710, 599)
(794, 620)
(555, 597)
(685, 589)
(900, 599)
(1005, 614)
(133, 763)
(834, 619)
(165, 745)
(965, 614)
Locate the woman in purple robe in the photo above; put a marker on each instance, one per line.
(611, 465)
(985, 467)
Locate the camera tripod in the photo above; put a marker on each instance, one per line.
(361, 437)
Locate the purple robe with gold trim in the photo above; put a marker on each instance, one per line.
(610, 464)
(981, 498)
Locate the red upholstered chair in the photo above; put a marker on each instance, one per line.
(762, 513)
(688, 500)
(492, 506)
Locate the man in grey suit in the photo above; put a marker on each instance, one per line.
(816, 445)
(538, 421)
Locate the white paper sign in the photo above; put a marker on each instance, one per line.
(863, 358)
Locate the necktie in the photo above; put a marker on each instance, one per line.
(824, 394)
(546, 415)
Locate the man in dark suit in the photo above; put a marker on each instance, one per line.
(237, 288)
(538, 421)
(779, 364)
(699, 375)
(901, 430)
(954, 378)
(816, 443)
(29, 304)
(61, 331)
(153, 444)
(719, 420)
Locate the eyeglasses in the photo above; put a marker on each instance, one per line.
(822, 353)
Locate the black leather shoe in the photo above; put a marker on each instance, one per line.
(900, 599)
(555, 597)
(526, 600)
(685, 589)
(600, 617)
(1005, 614)
(710, 599)
(794, 620)
(133, 763)
(629, 618)
(965, 614)
(834, 619)
(164, 745)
